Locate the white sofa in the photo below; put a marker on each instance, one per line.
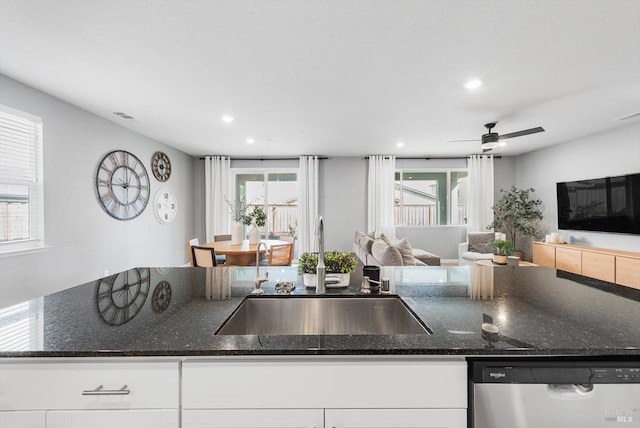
(384, 251)
(476, 248)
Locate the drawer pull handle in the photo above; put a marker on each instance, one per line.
(100, 391)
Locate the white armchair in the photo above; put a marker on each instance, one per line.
(475, 248)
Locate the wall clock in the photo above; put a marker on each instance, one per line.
(161, 166)
(122, 185)
(120, 297)
(165, 206)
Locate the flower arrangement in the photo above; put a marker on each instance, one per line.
(240, 213)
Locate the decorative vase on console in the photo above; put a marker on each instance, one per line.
(254, 234)
(236, 233)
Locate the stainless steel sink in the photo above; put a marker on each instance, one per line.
(303, 315)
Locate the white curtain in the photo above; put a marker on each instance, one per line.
(217, 175)
(307, 201)
(480, 193)
(380, 199)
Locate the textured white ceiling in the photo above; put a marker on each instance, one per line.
(333, 77)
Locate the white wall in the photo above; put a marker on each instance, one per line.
(612, 153)
(83, 241)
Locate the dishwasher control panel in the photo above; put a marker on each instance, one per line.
(551, 374)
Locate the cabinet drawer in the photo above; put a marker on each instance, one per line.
(599, 266)
(628, 271)
(544, 255)
(324, 384)
(569, 260)
(33, 386)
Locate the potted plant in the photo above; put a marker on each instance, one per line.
(241, 216)
(254, 219)
(516, 214)
(501, 250)
(339, 264)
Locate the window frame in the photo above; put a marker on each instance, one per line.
(235, 171)
(448, 172)
(36, 239)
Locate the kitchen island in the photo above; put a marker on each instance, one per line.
(176, 311)
(140, 348)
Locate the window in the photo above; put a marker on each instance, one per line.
(277, 192)
(429, 198)
(21, 184)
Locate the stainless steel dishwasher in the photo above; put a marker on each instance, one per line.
(534, 394)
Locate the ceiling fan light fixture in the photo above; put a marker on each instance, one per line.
(490, 145)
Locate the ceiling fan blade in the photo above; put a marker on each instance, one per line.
(521, 133)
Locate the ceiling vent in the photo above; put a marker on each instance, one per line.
(123, 115)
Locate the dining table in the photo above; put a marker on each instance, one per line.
(243, 254)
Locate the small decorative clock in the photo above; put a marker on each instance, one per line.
(122, 185)
(161, 166)
(165, 205)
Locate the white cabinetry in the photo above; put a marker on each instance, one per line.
(396, 418)
(22, 419)
(253, 418)
(400, 392)
(87, 392)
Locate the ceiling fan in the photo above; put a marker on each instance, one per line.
(491, 140)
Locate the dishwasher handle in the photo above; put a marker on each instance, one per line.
(570, 389)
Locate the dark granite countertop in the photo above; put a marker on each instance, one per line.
(176, 311)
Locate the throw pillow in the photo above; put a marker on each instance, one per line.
(365, 243)
(478, 242)
(403, 246)
(385, 254)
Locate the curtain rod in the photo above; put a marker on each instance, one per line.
(435, 158)
(265, 159)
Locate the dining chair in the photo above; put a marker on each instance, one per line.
(191, 243)
(203, 256)
(221, 258)
(280, 255)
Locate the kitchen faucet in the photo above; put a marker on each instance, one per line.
(259, 279)
(321, 286)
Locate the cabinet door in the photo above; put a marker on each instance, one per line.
(22, 419)
(544, 255)
(113, 419)
(628, 271)
(599, 266)
(253, 418)
(569, 260)
(395, 418)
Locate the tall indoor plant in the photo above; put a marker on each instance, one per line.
(516, 214)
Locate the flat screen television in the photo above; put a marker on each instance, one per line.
(609, 204)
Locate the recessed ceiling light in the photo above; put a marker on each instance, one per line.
(250, 141)
(399, 144)
(227, 119)
(473, 84)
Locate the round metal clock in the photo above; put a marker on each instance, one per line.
(161, 166)
(165, 206)
(120, 297)
(122, 185)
